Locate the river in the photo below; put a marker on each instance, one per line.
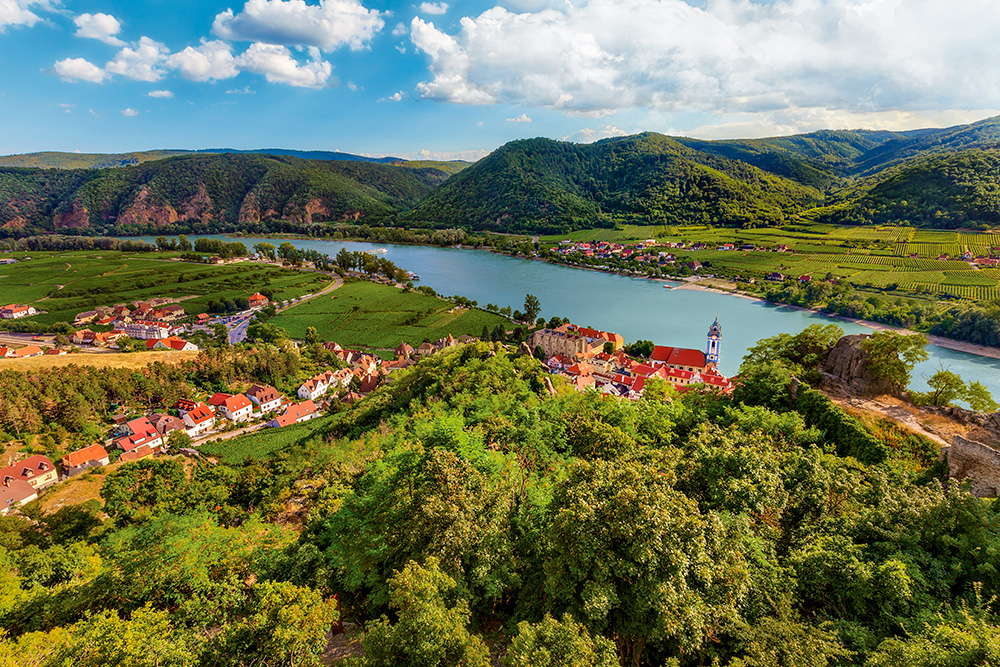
(634, 307)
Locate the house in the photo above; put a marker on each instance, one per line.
(426, 349)
(53, 352)
(236, 408)
(367, 382)
(166, 424)
(15, 311)
(694, 265)
(7, 353)
(776, 277)
(561, 341)
(198, 418)
(203, 318)
(258, 300)
(316, 386)
(264, 397)
(15, 492)
(805, 279)
(171, 343)
(84, 459)
(145, 329)
(351, 398)
(143, 433)
(137, 454)
(28, 351)
(404, 351)
(37, 470)
(85, 317)
(172, 312)
(295, 414)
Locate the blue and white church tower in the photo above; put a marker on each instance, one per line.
(714, 343)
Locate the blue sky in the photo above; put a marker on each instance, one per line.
(442, 80)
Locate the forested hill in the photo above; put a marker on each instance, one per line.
(945, 191)
(546, 185)
(209, 193)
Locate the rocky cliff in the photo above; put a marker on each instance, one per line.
(846, 369)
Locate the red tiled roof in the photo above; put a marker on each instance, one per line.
(27, 468)
(200, 413)
(679, 356)
(218, 399)
(81, 456)
(237, 402)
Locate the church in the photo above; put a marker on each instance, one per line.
(689, 359)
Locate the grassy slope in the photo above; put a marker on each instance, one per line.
(369, 315)
(261, 445)
(91, 279)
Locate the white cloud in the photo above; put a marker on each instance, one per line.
(78, 69)
(400, 29)
(210, 61)
(395, 97)
(67, 108)
(19, 12)
(734, 56)
(433, 8)
(246, 90)
(278, 66)
(523, 118)
(470, 155)
(130, 112)
(589, 135)
(164, 94)
(142, 61)
(102, 27)
(328, 25)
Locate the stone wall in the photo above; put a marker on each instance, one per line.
(979, 463)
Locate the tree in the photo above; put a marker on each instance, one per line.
(539, 353)
(286, 625)
(640, 348)
(946, 387)
(634, 558)
(609, 348)
(565, 643)
(162, 243)
(892, 356)
(979, 398)
(178, 440)
(532, 307)
(183, 244)
(429, 631)
(266, 250)
(312, 338)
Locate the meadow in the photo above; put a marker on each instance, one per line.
(66, 283)
(369, 315)
(263, 444)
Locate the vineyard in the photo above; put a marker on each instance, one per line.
(263, 444)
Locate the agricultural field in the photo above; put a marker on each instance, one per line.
(263, 444)
(369, 315)
(65, 283)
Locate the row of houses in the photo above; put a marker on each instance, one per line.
(27, 351)
(16, 311)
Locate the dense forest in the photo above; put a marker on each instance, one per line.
(936, 177)
(472, 513)
(207, 193)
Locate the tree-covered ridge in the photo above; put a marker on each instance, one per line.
(208, 193)
(545, 185)
(943, 191)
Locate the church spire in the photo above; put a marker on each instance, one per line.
(714, 343)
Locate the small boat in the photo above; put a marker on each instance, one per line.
(377, 251)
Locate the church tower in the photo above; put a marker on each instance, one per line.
(714, 343)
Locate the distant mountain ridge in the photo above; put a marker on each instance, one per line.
(944, 177)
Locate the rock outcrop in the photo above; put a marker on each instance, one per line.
(76, 218)
(845, 367)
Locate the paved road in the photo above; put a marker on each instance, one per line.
(238, 333)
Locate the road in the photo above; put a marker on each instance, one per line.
(238, 333)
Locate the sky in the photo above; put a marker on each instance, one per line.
(454, 80)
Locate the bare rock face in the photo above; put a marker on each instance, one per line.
(845, 367)
(988, 432)
(143, 211)
(75, 218)
(524, 350)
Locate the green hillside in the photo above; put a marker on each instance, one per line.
(62, 160)
(551, 186)
(945, 191)
(208, 193)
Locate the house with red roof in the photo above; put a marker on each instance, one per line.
(318, 385)
(198, 417)
(15, 492)
(16, 311)
(296, 413)
(236, 408)
(137, 454)
(171, 343)
(7, 353)
(265, 397)
(258, 300)
(143, 433)
(681, 358)
(84, 459)
(38, 471)
(28, 351)
(53, 352)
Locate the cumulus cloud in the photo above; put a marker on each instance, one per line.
(399, 29)
(523, 118)
(142, 61)
(78, 69)
(589, 135)
(327, 25)
(395, 97)
(19, 12)
(67, 108)
(130, 112)
(210, 61)
(277, 65)
(433, 8)
(102, 27)
(735, 56)
(163, 94)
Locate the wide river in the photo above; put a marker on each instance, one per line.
(634, 307)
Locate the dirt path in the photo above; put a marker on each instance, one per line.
(337, 282)
(934, 427)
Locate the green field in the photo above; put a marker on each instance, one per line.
(869, 257)
(263, 444)
(66, 283)
(369, 315)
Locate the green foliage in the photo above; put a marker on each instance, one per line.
(429, 631)
(565, 643)
(800, 353)
(891, 356)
